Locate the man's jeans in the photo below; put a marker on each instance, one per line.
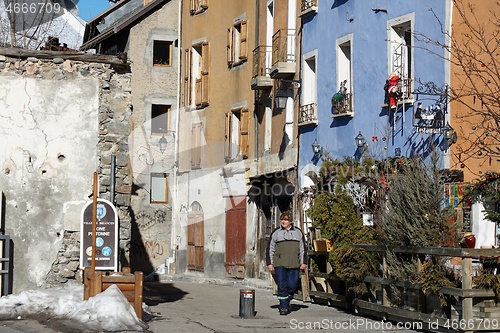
(287, 280)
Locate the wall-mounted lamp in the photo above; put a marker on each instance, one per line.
(360, 140)
(316, 147)
(280, 99)
(162, 143)
(449, 134)
(281, 95)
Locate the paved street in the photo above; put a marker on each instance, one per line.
(205, 307)
(198, 306)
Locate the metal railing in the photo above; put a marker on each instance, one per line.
(262, 57)
(308, 114)
(5, 269)
(343, 107)
(284, 46)
(307, 4)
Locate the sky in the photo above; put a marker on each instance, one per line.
(108, 311)
(91, 8)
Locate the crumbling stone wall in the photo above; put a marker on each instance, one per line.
(44, 205)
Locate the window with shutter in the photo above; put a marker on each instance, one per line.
(187, 77)
(229, 47)
(198, 6)
(205, 55)
(243, 54)
(236, 142)
(227, 136)
(244, 114)
(237, 49)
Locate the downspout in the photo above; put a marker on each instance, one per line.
(112, 185)
(175, 211)
(256, 94)
(255, 227)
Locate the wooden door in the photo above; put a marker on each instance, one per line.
(196, 241)
(235, 237)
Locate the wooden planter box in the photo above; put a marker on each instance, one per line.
(322, 245)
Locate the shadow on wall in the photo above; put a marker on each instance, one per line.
(338, 3)
(139, 258)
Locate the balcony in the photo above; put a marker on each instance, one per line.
(308, 114)
(308, 7)
(343, 108)
(284, 64)
(404, 94)
(262, 56)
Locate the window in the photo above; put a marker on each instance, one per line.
(236, 134)
(197, 131)
(237, 51)
(198, 6)
(160, 118)
(162, 53)
(400, 53)
(308, 106)
(342, 98)
(196, 75)
(159, 188)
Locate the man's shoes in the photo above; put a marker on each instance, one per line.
(284, 312)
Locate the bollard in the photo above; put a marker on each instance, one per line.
(247, 303)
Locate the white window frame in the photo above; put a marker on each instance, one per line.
(397, 38)
(158, 188)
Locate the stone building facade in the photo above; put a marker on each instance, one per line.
(61, 120)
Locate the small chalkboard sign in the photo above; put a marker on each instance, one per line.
(467, 220)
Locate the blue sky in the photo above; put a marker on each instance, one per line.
(91, 8)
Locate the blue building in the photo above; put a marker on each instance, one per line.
(366, 68)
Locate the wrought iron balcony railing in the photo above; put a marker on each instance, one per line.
(308, 7)
(284, 46)
(343, 107)
(262, 56)
(308, 114)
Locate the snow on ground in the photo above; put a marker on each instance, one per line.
(108, 311)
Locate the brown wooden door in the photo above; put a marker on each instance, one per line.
(235, 237)
(196, 241)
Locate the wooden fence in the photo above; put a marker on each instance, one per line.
(467, 310)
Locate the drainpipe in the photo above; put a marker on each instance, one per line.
(112, 186)
(256, 94)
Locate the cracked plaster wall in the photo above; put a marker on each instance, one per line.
(55, 123)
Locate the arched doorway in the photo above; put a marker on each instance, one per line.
(196, 238)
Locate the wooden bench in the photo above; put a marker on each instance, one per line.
(131, 285)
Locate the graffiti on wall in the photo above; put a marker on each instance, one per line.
(146, 220)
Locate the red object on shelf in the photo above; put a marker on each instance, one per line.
(470, 240)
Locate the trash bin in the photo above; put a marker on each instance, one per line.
(247, 303)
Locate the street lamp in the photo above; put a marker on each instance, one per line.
(316, 147)
(162, 143)
(360, 140)
(280, 99)
(282, 95)
(449, 134)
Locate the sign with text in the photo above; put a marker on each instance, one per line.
(106, 243)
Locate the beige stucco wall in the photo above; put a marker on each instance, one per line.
(229, 88)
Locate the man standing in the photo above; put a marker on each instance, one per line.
(286, 254)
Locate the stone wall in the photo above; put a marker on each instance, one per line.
(60, 121)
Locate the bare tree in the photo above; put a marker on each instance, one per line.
(472, 50)
(29, 23)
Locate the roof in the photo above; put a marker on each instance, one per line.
(93, 37)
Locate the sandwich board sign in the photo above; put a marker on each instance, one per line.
(106, 241)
